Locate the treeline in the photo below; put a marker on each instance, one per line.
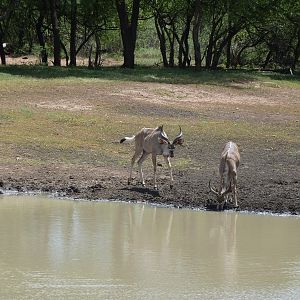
(200, 33)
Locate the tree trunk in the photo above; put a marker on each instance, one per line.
(172, 51)
(238, 61)
(296, 53)
(41, 39)
(56, 33)
(6, 12)
(63, 47)
(90, 63)
(162, 40)
(212, 41)
(85, 40)
(195, 33)
(228, 53)
(232, 32)
(128, 30)
(73, 33)
(183, 53)
(97, 62)
(171, 38)
(187, 57)
(2, 53)
(21, 35)
(217, 54)
(209, 52)
(229, 39)
(268, 57)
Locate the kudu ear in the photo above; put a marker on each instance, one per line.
(179, 138)
(160, 128)
(162, 138)
(162, 141)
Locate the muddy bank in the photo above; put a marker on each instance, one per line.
(268, 194)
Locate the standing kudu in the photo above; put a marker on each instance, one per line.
(155, 142)
(229, 163)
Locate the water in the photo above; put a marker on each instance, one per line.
(62, 249)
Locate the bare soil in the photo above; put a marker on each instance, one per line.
(268, 179)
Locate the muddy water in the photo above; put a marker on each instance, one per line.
(61, 249)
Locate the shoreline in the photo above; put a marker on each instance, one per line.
(55, 195)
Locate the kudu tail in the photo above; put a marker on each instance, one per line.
(127, 139)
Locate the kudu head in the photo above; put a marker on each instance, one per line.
(220, 193)
(168, 147)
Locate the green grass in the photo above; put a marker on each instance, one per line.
(148, 57)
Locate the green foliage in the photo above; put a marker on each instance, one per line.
(266, 33)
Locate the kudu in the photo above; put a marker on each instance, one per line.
(230, 159)
(152, 141)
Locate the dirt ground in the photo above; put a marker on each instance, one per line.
(268, 177)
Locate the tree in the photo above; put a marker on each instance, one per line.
(173, 21)
(128, 26)
(96, 19)
(54, 4)
(6, 11)
(165, 19)
(198, 11)
(184, 58)
(73, 32)
(291, 19)
(42, 9)
(232, 32)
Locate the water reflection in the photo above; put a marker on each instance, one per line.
(68, 249)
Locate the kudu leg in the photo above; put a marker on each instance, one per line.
(134, 158)
(167, 159)
(154, 168)
(140, 162)
(235, 191)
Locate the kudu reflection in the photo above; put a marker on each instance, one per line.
(152, 141)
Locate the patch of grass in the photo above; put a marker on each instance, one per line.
(148, 57)
(181, 163)
(5, 117)
(164, 92)
(283, 79)
(242, 130)
(26, 112)
(70, 119)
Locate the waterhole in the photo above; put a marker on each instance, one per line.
(62, 249)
